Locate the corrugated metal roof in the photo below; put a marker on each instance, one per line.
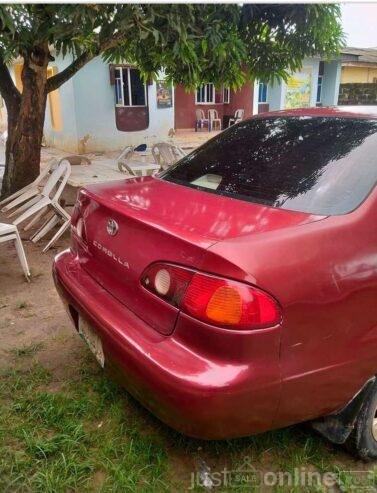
(365, 55)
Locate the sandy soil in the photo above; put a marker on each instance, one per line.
(31, 312)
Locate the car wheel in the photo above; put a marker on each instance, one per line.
(363, 439)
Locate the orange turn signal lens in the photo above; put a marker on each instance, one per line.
(229, 304)
(225, 306)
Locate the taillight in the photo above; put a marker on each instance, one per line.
(167, 281)
(214, 300)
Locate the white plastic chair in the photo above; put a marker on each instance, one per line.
(213, 117)
(31, 190)
(238, 117)
(200, 117)
(134, 168)
(123, 157)
(9, 232)
(48, 225)
(166, 154)
(50, 195)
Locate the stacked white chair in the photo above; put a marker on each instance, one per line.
(48, 199)
(30, 191)
(9, 232)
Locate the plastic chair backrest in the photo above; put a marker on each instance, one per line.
(126, 154)
(166, 154)
(156, 154)
(213, 115)
(51, 165)
(200, 114)
(239, 114)
(60, 174)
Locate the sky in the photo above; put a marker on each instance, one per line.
(360, 24)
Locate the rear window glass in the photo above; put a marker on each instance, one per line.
(319, 165)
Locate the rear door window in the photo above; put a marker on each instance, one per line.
(319, 165)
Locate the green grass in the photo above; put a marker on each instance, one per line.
(58, 441)
(89, 435)
(26, 350)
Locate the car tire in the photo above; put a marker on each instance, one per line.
(363, 439)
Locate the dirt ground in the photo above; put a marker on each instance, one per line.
(32, 311)
(32, 319)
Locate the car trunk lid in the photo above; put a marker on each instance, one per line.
(133, 223)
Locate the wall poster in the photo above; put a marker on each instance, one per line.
(298, 92)
(164, 94)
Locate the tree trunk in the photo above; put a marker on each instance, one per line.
(25, 124)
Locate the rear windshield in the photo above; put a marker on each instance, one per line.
(319, 165)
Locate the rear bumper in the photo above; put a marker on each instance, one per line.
(226, 389)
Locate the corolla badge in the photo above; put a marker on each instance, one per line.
(111, 254)
(112, 227)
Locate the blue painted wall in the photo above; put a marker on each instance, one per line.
(330, 86)
(88, 104)
(331, 82)
(88, 107)
(67, 138)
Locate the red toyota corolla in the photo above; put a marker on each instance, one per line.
(237, 291)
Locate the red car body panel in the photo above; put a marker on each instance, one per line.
(193, 389)
(325, 277)
(210, 382)
(179, 227)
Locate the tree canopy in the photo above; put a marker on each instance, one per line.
(194, 43)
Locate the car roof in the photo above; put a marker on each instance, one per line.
(369, 112)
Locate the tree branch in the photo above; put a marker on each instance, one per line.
(8, 90)
(57, 80)
(60, 78)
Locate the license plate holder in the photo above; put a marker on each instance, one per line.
(92, 339)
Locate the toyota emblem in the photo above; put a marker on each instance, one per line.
(112, 227)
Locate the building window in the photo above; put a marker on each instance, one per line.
(226, 94)
(129, 87)
(374, 80)
(262, 93)
(320, 81)
(205, 94)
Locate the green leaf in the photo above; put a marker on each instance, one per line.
(220, 43)
(204, 46)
